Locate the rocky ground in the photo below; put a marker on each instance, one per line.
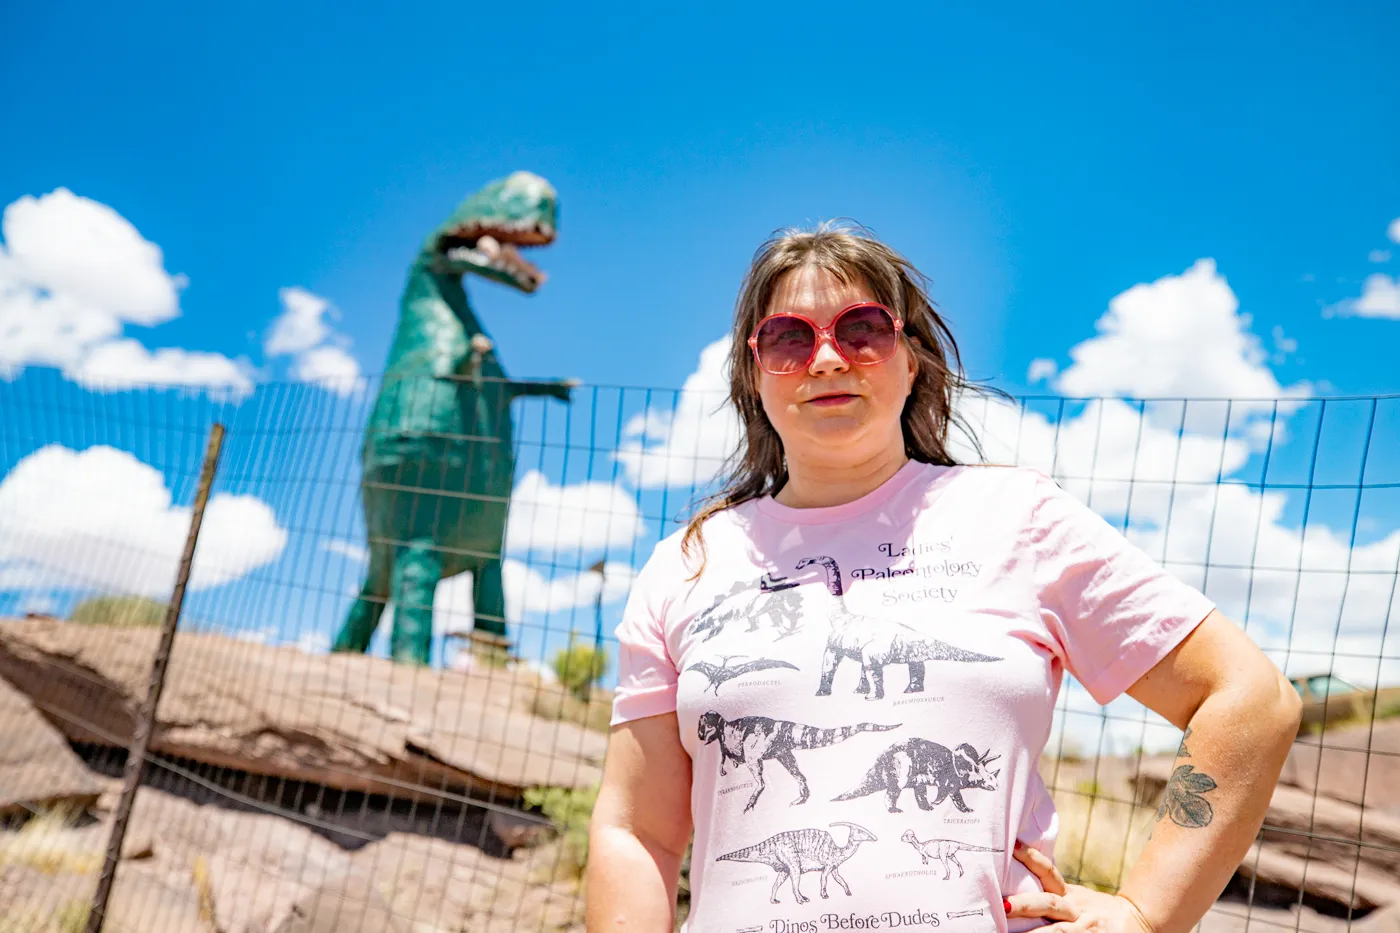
(297, 793)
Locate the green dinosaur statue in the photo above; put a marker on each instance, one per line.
(438, 453)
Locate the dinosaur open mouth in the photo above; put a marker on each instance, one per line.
(498, 247)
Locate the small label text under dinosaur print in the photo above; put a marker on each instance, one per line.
(735, 884)
(906, 700)
(940, 593)
(730, 790)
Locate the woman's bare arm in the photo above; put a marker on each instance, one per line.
(1240, 716)
(641, 826)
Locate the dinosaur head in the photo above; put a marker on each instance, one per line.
(707, 728)
(484, 234)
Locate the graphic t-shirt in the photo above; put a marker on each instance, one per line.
(864, 691)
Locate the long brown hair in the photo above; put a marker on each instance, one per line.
(849, 252)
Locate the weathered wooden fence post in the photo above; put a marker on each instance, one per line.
(145, 720)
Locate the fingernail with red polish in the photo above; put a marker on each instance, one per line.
(1005, 906)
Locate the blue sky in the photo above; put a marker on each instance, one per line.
(1036, 164)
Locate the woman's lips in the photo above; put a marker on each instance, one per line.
(827, 401)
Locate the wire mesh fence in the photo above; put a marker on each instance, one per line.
(289, 785)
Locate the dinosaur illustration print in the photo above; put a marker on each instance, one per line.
(921, 765)
(796, 851)
(776, 600)
(945, 850)
(722, 673)
(876, 643)
(752, 740)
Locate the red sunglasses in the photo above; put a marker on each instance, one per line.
(863, 334)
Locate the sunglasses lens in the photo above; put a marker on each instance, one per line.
(866, 335)
(785, 344)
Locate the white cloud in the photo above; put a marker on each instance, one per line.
(329, 367)
(1379, 255)
(314, 642)
(1041, 370)
(100, 519)
(688, 444)
(73, 273)
(319, 352)
(1180, 336)
(564, 519)
(1380, 297)
(123, 364)
(528, 591)
(350, 550)
(1393, 231)
(300, 326)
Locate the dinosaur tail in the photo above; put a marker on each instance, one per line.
(870, 785)
(738, 855)
(812, 737)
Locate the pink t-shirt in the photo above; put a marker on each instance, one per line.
(864, 691)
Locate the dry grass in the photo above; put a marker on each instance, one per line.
(47, 843)
(1099, 839)
(68, 917)
(552, 702)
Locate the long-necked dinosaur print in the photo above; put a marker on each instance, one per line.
(791, 853)
(722, 673)
(945, 850)
(920, 764)
(875, 643)
(752, 740)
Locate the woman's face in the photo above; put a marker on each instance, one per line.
(833, 411)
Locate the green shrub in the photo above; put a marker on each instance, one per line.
(570, 811)
(579, 667)
(124, 611)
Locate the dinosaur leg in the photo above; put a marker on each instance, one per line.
(916, 677)
(417, 569)
(953, 857)
(779, 876)
(756, 769)
(836, 873)
(792, 865)
(489, 599)
(877, 676)
(829, 662)
(359, 627)
(959, 803)
(921, 795)
(788, 761)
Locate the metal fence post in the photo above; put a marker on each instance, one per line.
(145, 720)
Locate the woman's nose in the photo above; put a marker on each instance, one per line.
(826, 359)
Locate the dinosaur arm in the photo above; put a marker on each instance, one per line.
(561, 389)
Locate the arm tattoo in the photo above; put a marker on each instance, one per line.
(1183, 799)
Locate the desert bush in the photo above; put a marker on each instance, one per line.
(579, 667)
(571, 812)
(125, 611)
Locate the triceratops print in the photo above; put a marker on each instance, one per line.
(920, 764)
(876, 643)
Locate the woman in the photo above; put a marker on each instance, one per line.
(841, 675)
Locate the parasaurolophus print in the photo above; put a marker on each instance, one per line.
(920, 764)
(876, 643)
(945, 850)
(796, 851)
(752, 740)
